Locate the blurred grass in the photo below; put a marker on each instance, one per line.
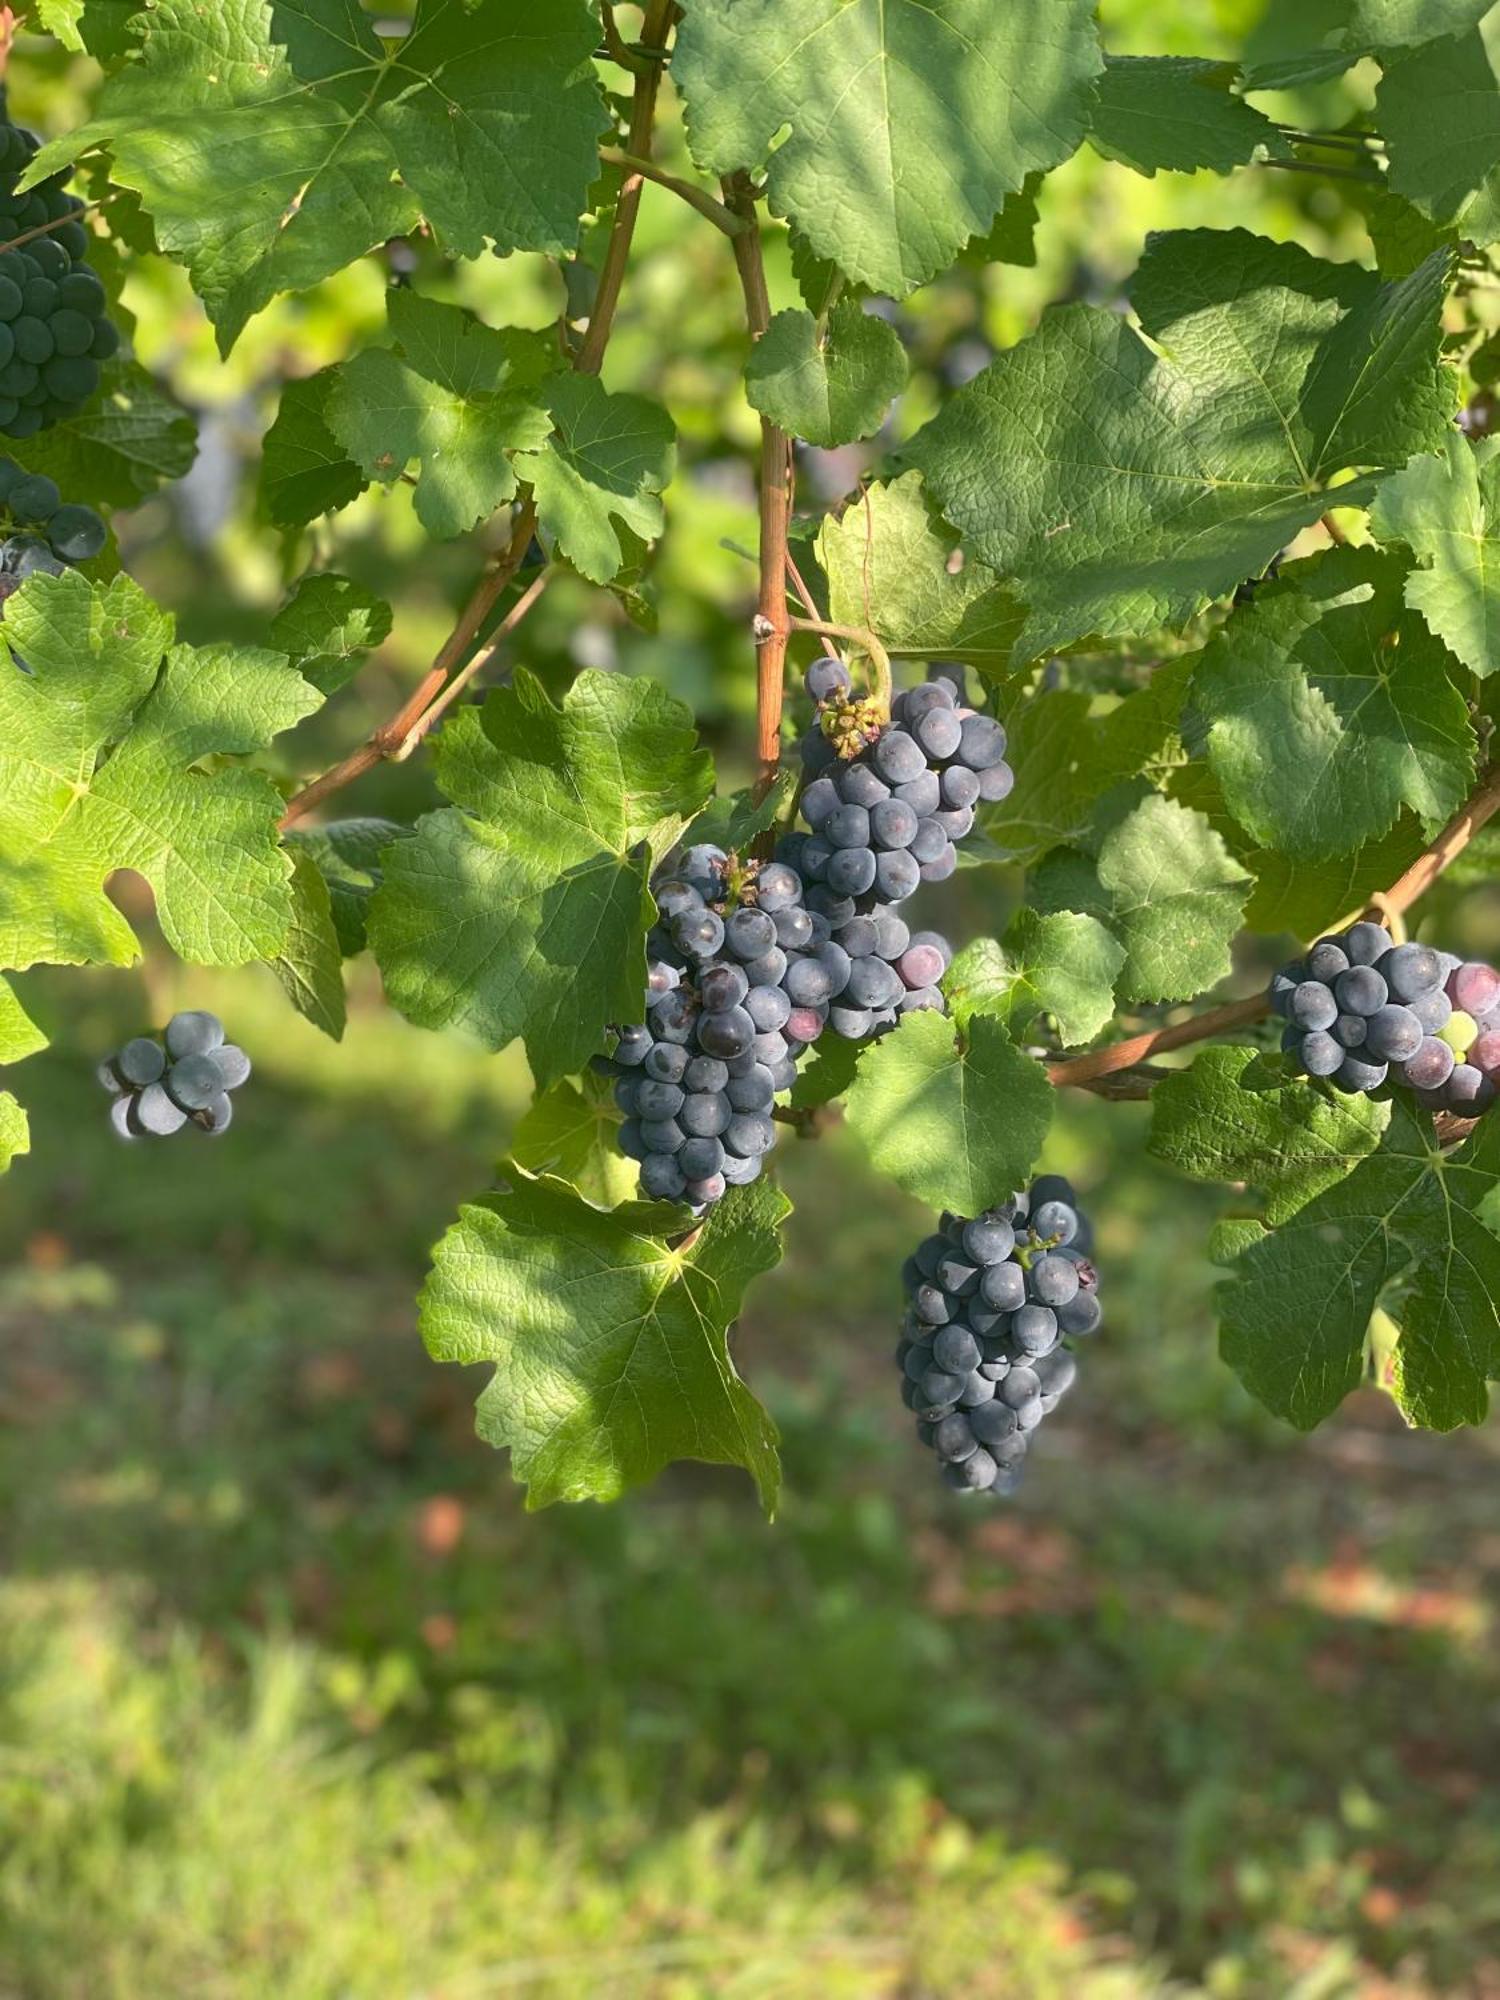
(296, 1700)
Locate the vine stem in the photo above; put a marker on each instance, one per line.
(1085, 1071)
(390, 739)
(615, 44)
(881, 677)
(771, 625)
(696, 197)
(445, 698)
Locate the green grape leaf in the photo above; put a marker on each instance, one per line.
(733, 822)
(1179, 114)
(1395, 24)
(15, 1134)
(1296, 1311)
(20, 1036)
(1125, 484)
(1306, 897)
(1066, 759)
(978, 981)
(958, 1122)
(522, 909)
(825, 1073)
(832, 389)
(610, 1345)
(327, 625)
(272, 145)
(1441, 508)
(887, 563)
(1063, 965)
(347, 854)
(1330, 706)
(102, 27)
(310, 964)
(1403, 237)
(100, 749)
(304, 470)
(1164, 883)
(932, 110)
(573, 1132)
(455, 396)
(126, 442)
(1232, 1117)
(1439, 108)
(609, 457)
(1012, 237)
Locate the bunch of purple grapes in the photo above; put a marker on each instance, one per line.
(991, 1299)
(158, 1087)
(1365, 1012)
(888, 818)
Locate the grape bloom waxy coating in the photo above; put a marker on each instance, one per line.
(992, 1301)
(751, 962)
(1366, 1013)
(185, 1078)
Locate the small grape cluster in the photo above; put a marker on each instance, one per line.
(887, 805)
(1365, 1012)
(48, 535)
(55, 330)
(991, 1299)
(734, 996)
(158, 1089)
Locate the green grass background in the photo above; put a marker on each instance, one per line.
(296, 1701)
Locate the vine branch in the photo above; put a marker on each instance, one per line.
(857, 635)
(696, 197)
(1086, 1071)
(771, 625)
(395, 739)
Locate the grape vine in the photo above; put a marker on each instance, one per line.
(1140, 644)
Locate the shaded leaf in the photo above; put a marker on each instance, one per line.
(1447, 512)
(957, 1122)
(1232, 1117)
(1126, 485)
(1164, 883)
(522, 909)
(310, 963)
(827, 391)
(1179, 114)
(934, 110)
(1330, 706)
(327, 625)
(608, 458)
(609, 1346)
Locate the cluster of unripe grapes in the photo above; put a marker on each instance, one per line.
(183, 1079)
(55, 330)
(1367, 1013)
(752, 962)
(991, 1301)
(46, 534)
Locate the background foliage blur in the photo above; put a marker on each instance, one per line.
(294, 1698)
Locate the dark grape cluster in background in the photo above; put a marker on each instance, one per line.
(55, 329)
(1365, 1012)
(158, 1086)
(44, 532)
(992, 1301)
(736, 991)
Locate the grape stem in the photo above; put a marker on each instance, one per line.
(444, 700)
(1087, 1071)
(882, 683)
(388, 741)
(771, 626)
(46, 228)
(617, 48)
(696, 197)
